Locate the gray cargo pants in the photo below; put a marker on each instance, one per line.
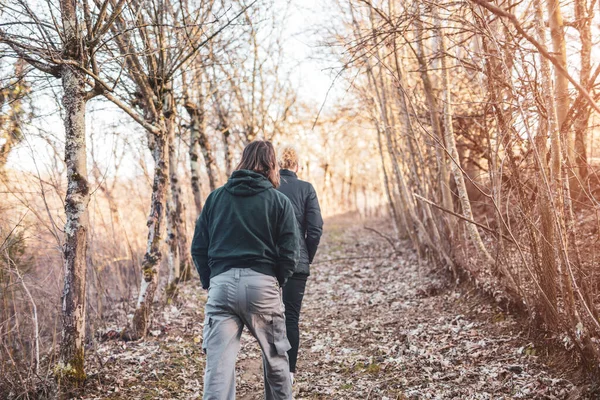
(236, 298)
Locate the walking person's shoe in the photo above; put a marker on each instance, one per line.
(292, 377)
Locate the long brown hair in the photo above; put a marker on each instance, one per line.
(259, 156)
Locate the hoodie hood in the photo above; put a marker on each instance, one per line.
(244, 182)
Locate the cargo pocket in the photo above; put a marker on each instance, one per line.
(206, 331)
(278, 335)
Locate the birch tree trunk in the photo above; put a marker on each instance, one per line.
(158, 144)
(173, 218)
(71, 364)
(76, 202)
(193, 154)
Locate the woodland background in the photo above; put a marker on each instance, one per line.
(470, 125)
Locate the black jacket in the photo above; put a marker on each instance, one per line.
(246, 224)
(308, 214)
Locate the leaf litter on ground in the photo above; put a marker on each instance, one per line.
(376, 324)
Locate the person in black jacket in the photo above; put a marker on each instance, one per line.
(245, 247)
(310, 225)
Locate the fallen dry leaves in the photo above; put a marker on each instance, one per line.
(375, 325)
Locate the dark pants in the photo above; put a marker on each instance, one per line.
(293, 293)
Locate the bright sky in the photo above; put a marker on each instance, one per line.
(314, 72)
(311, 75)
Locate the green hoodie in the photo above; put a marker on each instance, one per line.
(246, 224)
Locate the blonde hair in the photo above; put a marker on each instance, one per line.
(288, 158)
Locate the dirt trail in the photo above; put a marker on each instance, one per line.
(375, 325)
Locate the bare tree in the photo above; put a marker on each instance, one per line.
(151, 56)
(451, 143)
(506, 129)
(65, 48)
(196, 107)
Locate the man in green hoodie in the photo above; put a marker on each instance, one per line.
(245, 247)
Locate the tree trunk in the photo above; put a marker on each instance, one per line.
(193, 154)
(379, 101)
(199, 138)
(222, 126)
(453, 152)
(227, 150)
(173, 218)
(549, 256)
(386, 183)
(416, 156)
(400, 206)
(77, 198)
(71, 365)
(76, 202)
(561, 82)
(434, 117)
(497, 70)
(158, 144)
(583, 24)
(185, 258)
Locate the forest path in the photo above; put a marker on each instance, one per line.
(374, 325)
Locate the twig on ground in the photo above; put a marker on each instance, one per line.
(386, 237)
